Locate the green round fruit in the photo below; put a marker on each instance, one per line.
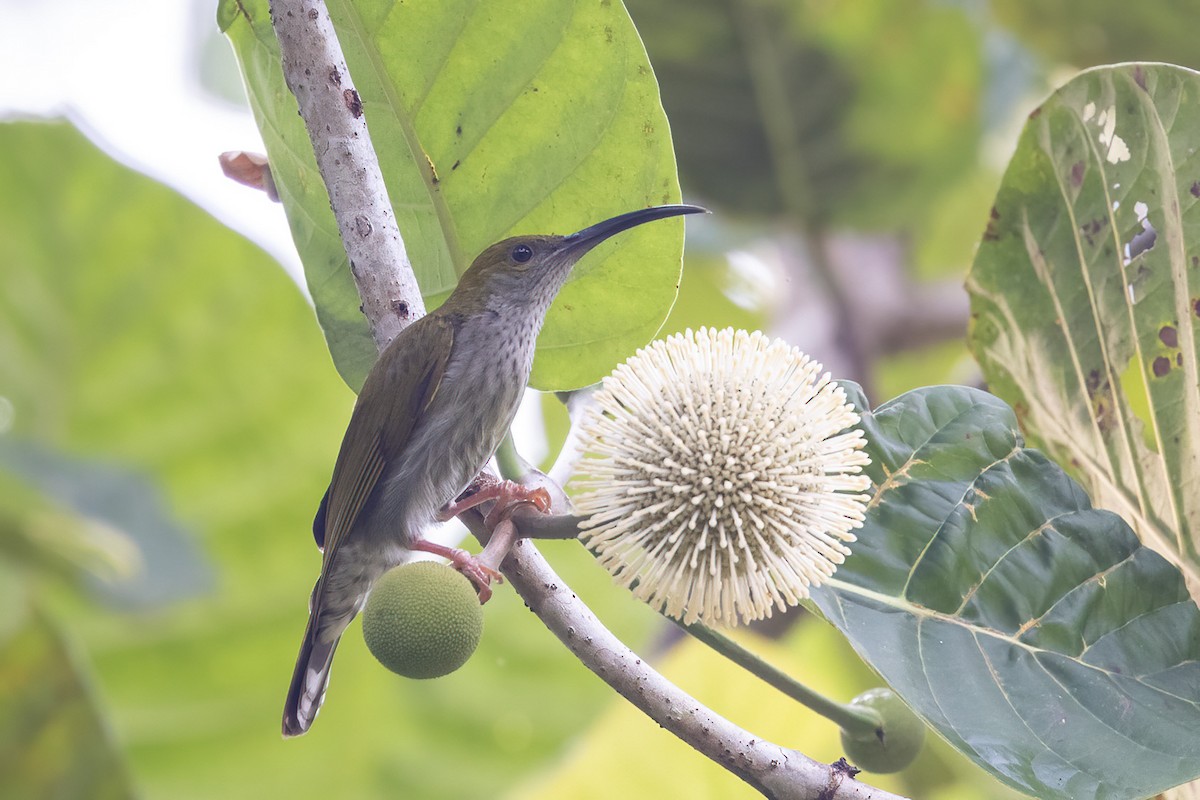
(895, 744)
(422, 620)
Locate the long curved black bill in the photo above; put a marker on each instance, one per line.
(582, 241)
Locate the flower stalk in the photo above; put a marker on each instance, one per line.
(858, 721)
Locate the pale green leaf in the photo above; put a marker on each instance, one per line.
(1086, 294)
(488, 125)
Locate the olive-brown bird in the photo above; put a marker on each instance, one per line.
(430, 415)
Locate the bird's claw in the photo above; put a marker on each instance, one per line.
(469, 565)
(479, 574)
(508, 495)
(512, 496)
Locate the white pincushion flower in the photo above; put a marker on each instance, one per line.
(719, 476)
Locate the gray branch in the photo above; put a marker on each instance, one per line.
(317, 74)
(777, 772)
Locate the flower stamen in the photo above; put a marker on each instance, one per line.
(721, 477)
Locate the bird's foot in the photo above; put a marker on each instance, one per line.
(507, 494)
(471, 566)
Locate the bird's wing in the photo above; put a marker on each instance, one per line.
(393, 398)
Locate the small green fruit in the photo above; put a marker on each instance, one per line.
(895, 744)
(422, 620)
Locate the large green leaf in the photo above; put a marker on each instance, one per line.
(1086, 292)
(489, 119)
(138, 333)
(1031, 630)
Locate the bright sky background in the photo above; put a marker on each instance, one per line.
(126, 73)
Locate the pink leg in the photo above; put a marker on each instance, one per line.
(476, 571)
(507, 494)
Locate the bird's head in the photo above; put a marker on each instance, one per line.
(528, 271)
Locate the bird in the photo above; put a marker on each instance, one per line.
(430, 415)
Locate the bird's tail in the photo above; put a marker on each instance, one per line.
(309, 681)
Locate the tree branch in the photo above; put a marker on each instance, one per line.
(777, 772)
(317, 74)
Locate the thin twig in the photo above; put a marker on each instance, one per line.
(859, 721)
(312, 59)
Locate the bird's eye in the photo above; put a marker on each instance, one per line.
(522, 253)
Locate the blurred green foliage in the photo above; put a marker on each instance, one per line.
(144, 332)
(54, 741)
(1086, 33)
(859, 113)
